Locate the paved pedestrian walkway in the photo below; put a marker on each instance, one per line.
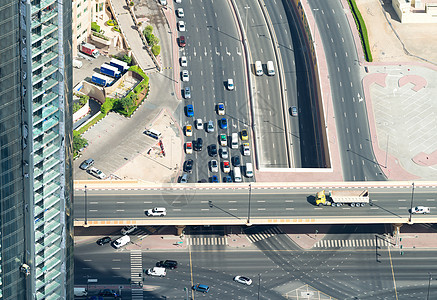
(128, 28)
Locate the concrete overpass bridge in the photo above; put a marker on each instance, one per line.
(119, 203)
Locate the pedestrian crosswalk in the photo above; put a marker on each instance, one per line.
(265, 234)
(136, 267)
(207, 241)
(145, 231)
(361, 243)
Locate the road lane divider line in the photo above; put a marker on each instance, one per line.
(393, 273)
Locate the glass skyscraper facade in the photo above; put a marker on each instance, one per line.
(36, 224)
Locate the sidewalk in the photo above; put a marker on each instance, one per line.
(128, 28)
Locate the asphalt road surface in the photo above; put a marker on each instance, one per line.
(233, 204)
(276, 265)
(356, 149)
(214, 54)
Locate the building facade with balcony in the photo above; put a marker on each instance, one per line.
(36, 229)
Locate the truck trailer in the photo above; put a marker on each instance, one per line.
(106, 69)
(101, 79)
(338, 198)
(89, 49)
(120, 65)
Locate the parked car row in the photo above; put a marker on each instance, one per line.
(87, 165)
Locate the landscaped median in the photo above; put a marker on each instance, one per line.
(361, 26)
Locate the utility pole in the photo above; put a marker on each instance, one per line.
(411, 206)
(86, 209)
(248, 211)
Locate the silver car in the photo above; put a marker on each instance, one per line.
(224, 153)
(210, 127)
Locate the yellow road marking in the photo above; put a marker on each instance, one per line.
(393, 273)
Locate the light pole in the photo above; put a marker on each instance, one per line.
(86, 209)
(259, 283)
(248, 211)
(429, 285)
(411, 206)
(247, 12)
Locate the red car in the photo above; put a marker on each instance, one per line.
(182, 42)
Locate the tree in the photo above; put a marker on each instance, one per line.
(126, 103)
(78, 141)
(153, 40)
(127, 59)
(156, 49)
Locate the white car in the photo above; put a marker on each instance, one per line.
(96, 172)
(246, 149)
(120, 242)
(184, 62)
(214, 166)
(180, 12)
(181, 25)
(163, 2)
(185, 76)
(199, 124)
(224, 153)
(178, 1)
(221, 109)
(128, 229)
(156, 271)
(230, 84)
(243, 280)
(420, 210)
(156, 212)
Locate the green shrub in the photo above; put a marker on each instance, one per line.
(127, 59)
(361, 25)
(116, 28)
(78, 142)
(156, 49)
(95, 27)
(84, 99)
(111, 23)
(107, 106)
(101, 36)
(148, 30)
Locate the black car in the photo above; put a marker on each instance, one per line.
(108, 292)
(86, 164)
(212, 150)
(188, 166)
(104, 240)
(198, 144)
(168, 264)
(236, 161)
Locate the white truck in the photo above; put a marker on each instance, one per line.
(338, 198)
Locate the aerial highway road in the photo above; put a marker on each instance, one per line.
(356, 149)
(190, 206)
(267, 99)
(214, 55)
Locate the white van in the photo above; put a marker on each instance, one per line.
(124, 240)
(156, 271)
(258, 68)
(234, 142)
(270, 68)
(80, 292)
(153, 133)
(249, 170)
(237, 174)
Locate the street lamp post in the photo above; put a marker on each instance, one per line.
(411, 206)
(259, 284)
(247, 12)
(248, 211)
(86, 209)
(429, 285)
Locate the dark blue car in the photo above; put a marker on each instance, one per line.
(190, 110)
(224, 123)
(227, 179)
(214, 179)
(201, 288)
